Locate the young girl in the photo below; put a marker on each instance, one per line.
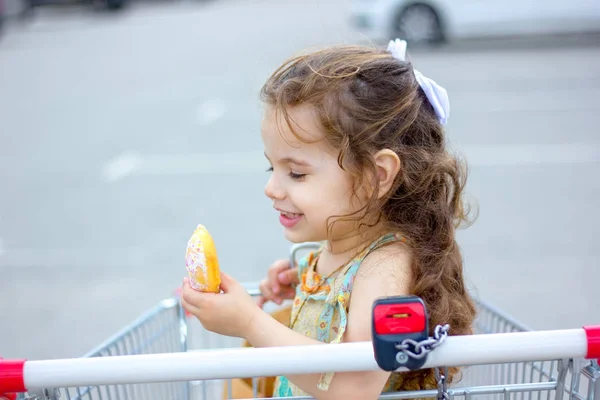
(356, 148)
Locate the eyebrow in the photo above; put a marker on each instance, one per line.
(291, 160)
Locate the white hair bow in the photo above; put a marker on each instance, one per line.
(437, 95)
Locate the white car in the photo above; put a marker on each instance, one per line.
(433, 21)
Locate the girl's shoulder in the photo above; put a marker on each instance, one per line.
(385, 271)
(389, 261)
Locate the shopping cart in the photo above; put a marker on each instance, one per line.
(164, 355)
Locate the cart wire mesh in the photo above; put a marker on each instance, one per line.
(164, 329)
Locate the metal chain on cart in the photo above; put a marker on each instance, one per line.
(442, 384)
(44, 394)
(422, 348)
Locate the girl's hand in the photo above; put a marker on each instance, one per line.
(280, 283)
(229, 313)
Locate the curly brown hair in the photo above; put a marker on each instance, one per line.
(366, 101)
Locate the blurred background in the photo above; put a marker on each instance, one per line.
(125, 123)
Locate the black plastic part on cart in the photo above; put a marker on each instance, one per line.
(399, 323)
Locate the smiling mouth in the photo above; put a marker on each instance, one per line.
(290, 215)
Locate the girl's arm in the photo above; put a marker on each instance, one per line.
(385, 272)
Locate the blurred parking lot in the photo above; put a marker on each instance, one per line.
(120, 132)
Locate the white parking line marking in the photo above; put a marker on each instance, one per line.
(122, 166)
(132, 164)
(210, 111)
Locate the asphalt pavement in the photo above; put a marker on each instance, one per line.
(120, 133)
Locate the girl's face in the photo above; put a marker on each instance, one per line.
(307, 186)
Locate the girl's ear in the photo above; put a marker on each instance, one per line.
(388, 165)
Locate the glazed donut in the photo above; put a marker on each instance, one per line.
(202, 263)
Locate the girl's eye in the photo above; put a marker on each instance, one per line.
(297, 176)
(291, 174)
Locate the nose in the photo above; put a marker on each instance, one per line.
(273, 190)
